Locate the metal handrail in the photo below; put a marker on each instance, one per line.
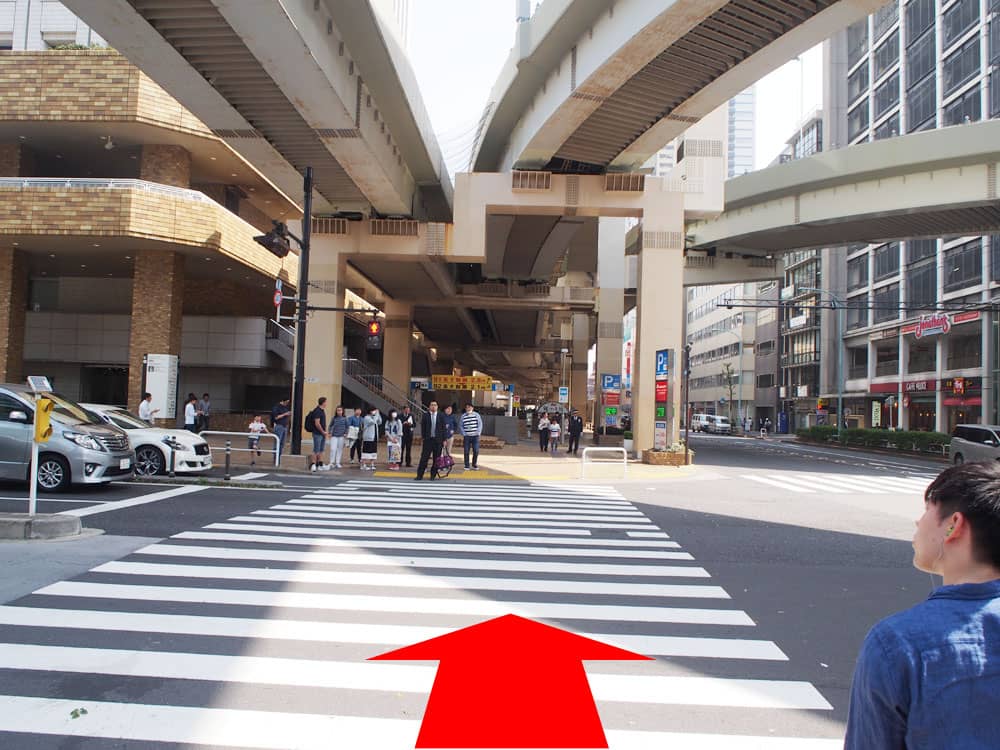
(583, 459)
(378, 384)
(277, 456)
(284, 334)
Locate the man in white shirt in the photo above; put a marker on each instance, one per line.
(146, 410)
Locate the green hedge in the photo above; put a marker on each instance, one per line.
(902, 440)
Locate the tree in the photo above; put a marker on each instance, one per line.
(729, 377)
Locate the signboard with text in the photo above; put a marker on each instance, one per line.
(612, 398)
(611, 382)
(661, 391)
(563, 394)
(663, 364)
(659, 436)
(161, 382)
(461, 382)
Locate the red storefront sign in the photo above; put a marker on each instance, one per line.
(612, 399)
(939, 323)
(920, 386)
(661, 391)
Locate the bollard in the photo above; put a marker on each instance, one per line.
(229, 457)
(173, 457)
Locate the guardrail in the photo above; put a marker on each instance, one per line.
(583, 459)
(248, 435)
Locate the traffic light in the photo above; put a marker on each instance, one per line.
(375, 334)
(276, 241)
(820, 404)
(43, 429)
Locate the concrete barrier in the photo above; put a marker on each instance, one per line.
(38, 526)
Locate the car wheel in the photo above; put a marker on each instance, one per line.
(148, 461)
(958, 460)
(53, 473)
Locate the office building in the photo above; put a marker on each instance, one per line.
(740, 152)
(910, 67)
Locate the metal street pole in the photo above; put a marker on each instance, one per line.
(687, 402)
(298, 383)
(840, 366)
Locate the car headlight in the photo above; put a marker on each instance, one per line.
(84, 440)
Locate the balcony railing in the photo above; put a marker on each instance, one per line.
(887, 368)
(107, 184)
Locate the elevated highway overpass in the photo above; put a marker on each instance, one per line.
(930, 184)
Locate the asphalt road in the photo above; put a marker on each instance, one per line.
(227, 617)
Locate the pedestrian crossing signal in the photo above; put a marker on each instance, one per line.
(375, 334)
(43, 427)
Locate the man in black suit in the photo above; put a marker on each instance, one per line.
(409, 423)
(432, 432)
(574, 428)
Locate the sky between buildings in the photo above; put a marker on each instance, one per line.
(457, 48)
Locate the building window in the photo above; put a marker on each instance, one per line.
(920, 249)
(857, 82)
(887, 95)
(961, 66)
(886, 303)
(919, 17)
(923, 355)
(857, 41)
(857, 272)
(921, 101)
(886, 261)
(921, 286)
(995, 257)
(958, 19)
(887, 357)
(886, 55)
(884, 18)
(965, 108)
(857, 312)
(765, 381)
(857, 359)
(888, 129)
(963, 265)
(965, 348)
(857, 120)
(920, 58)
(765, 347)
(994, 88)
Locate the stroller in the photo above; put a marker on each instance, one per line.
(443, 464)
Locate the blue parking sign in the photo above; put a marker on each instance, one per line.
(662, 364)
(611, 382)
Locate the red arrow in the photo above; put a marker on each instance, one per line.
(511, 683)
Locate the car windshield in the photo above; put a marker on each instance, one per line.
(70, 413)
(126, 420)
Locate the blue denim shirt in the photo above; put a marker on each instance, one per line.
(928, 678)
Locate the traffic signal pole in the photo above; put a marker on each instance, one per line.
(298, 383)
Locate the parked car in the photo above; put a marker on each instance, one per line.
(81, 450)
(975, 442)
(718, 425)
(699, 422)
(153, 445)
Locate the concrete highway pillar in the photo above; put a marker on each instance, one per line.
(611, 304)
(324, 365)
(578, 370)
(397, 344)
(659, 318)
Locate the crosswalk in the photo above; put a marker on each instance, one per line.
(819, 483)
(254, 632)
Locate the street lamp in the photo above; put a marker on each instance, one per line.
(840, 305)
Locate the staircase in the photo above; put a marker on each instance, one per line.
(371, 387)
(281, 341)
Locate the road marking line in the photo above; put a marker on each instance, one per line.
(472, 607)
(812, 482)
(409, 561)
(647, 534)
(323, 501)
(417, 581)
(375, 536)
(307, 526)
(855, 483)
(334, 518)
(382, 676)
(132, 502)
(773, 483)
(479, 548)
(520, 499)
(248, 476)
(278, 730)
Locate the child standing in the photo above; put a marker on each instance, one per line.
(256, 428)
(554, 435)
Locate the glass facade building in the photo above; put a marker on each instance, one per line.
(915, 66)
(741, 132)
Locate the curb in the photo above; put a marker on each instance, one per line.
(208, 481)
(21, 526)
(880, 451)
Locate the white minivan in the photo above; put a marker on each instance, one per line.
(699, 422)
(719, 425)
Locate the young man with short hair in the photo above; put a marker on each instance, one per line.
(471, 427)
(928, 678)
(316, 424)
(146, 411)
